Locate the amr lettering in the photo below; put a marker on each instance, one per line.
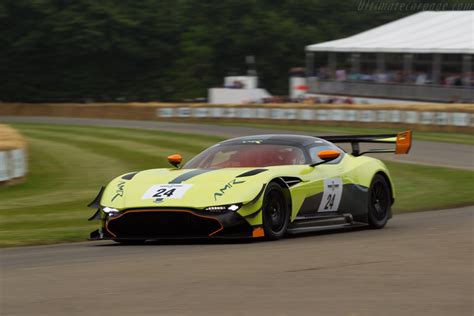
(226, 187)
(119, 191)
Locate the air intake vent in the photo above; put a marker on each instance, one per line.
(291, 181)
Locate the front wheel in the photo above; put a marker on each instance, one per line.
(380, 202)
(276, 214)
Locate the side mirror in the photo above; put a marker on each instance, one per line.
(326, 156)
(175, 160)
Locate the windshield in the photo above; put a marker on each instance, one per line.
(247, 155)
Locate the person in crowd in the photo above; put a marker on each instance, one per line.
(421, 78)
(341, 75)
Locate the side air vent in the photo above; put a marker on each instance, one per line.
(291, 181)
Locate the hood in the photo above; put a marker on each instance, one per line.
(190, 188)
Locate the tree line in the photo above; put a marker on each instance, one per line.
(168, 50)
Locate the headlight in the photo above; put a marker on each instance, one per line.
(111, 212)
(223, 208)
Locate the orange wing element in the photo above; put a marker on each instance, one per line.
(175, 159)
(258, 232)
(403, 143)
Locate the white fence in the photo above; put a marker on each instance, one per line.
(460, 119)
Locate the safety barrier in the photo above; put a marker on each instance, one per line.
(13, 156)
(429, 117)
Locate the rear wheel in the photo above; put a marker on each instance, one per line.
(379, 202)
(276, 214)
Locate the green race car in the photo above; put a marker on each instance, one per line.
(254, 186)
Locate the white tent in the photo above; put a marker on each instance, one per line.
(445, 32)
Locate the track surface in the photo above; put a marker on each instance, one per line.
(420, 264)
(422, 152)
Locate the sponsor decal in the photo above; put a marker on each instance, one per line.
(228, 186)
(119, 191)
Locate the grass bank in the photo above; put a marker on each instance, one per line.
(68, 164)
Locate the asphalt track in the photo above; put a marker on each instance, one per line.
(422, 152)
(420, 264)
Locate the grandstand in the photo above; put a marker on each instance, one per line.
(427, 56)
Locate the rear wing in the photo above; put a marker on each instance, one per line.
(401, 140)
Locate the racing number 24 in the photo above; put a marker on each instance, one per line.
(330, 202)
(165, 192)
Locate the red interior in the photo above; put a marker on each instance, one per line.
(261, 156)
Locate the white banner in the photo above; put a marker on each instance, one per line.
(229, 112)
(247, 113)
(278, 114)
(382, 116)
(441, 118)
(263, 113)
(336, 115)
(367, 116)
(201, 112)
(461, 119)
(322, 115)
(411, 117)
(290, 114)
(217, 112)
(165, 112)
(307, 114)
(395, 116)
(351, 115)
(184, 112)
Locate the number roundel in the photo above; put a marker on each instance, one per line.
(166, 191)
(331, 196)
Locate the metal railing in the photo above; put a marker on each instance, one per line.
(434, 93)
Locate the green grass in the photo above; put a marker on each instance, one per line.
(459, 138)
(68, 164)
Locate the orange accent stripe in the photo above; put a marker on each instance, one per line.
(164, 210)
(258, 232)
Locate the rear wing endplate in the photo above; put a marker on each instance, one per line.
(401, 140)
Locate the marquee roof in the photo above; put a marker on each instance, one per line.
(446, 32)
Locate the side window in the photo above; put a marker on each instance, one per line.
(316, 148)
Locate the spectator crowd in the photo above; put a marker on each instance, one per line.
(397, 77)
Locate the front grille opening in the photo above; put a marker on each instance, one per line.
(156, 224)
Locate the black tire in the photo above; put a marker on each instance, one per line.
(276, 214)
(380, 202)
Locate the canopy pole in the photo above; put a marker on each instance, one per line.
(355, 63)
(309, 64)
(380, 62)
(332, 65)
(407, 67)
(436, 68)
(466, 69)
